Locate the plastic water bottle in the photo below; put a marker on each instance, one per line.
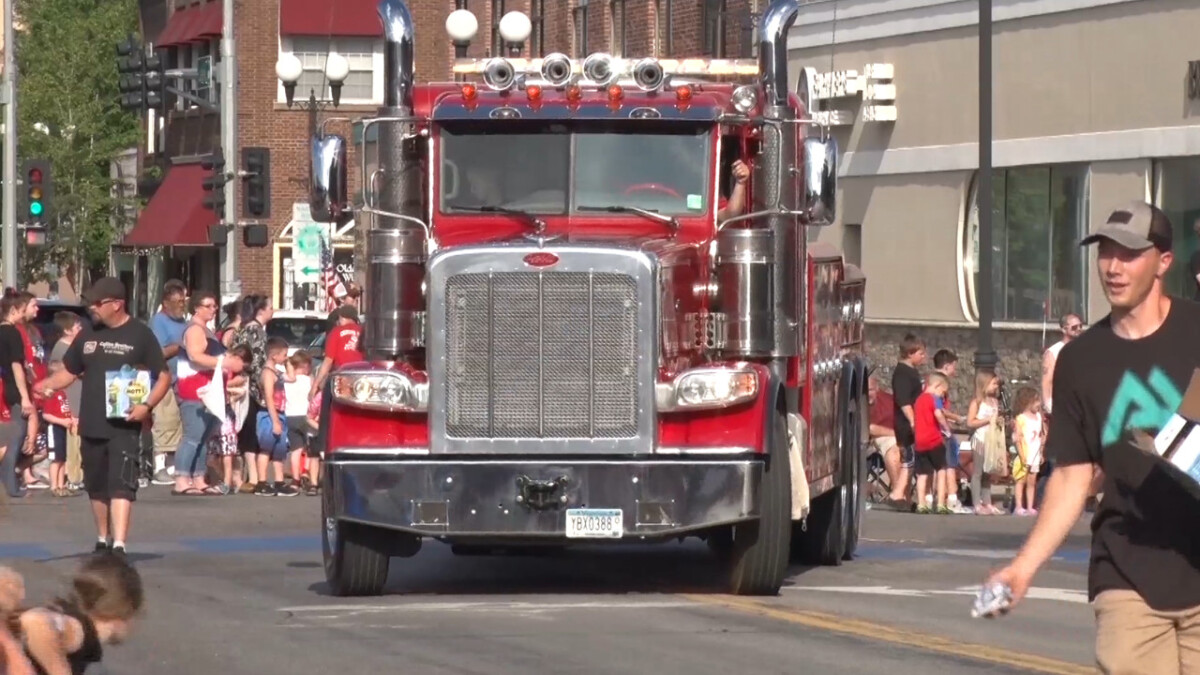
(991, 600)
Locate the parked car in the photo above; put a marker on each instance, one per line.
(299, 327)
(44, 321)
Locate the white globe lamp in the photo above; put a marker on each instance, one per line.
(515, 29)
(462, 27)
(288, 69)
(337, 69)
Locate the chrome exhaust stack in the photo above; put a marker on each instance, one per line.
(396, 247)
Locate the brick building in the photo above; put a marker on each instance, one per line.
(170, 237)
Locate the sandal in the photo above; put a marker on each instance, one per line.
(212, 490)
(187, 492)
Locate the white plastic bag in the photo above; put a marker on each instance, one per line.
(213, 394)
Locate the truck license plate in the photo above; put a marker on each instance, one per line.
(595, 523)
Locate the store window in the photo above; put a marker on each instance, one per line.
(1177, 193)
(1039, 215)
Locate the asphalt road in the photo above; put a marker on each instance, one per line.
(235, 585)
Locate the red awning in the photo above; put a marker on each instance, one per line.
(346, 18)
(191, 24)
(175, 215)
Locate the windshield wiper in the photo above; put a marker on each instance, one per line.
(537, 223)
(653, 215)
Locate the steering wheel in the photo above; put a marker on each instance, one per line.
(651, 187)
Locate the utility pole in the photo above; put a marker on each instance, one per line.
(231, 284)
(9, 96)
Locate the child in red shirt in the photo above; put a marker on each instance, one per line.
(930, 431)
(59, 420)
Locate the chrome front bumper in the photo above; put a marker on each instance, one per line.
(515, 500)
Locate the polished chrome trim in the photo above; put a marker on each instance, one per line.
(724, 451)
(553, 463)
(398, 56)
(502, 258)
(773, 29)
(376, 452)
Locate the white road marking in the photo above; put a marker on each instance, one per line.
(1052, 594)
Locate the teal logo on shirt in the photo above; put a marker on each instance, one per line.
(1141, 404)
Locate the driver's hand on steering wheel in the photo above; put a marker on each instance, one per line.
(741, 172)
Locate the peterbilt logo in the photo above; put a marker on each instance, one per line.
(540, 259)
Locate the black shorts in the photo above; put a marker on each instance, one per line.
(297, 427)
(110, 466)
(929, 461)
(248, 435)
(57, 436)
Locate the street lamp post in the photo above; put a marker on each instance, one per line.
(985, 354)
(289, 69)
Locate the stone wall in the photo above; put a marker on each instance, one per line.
(1020, 353)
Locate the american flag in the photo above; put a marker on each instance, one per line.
(330, 280)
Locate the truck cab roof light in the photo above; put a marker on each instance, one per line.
(625, 68)
(615, 93)
(574, 93)
(683, 93)
(469, 92)
(534, 92)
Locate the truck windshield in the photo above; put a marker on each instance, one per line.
(553, 168)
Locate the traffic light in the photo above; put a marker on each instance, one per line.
(131, 64)
(257, 163)
(215, 182)
(154, 82)
(39, 189)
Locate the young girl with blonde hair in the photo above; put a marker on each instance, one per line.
(984, 408)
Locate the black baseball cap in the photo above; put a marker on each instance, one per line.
(1136, 226)
(106, 288)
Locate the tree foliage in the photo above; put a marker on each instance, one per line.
(67, 70)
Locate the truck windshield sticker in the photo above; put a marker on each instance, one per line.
(695, 202)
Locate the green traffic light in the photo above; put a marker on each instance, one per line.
(35, 208)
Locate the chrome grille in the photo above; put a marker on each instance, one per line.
(541, 355)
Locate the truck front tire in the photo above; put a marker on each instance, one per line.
(355, 559)
(758, 558)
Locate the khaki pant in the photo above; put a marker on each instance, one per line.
(167, 428)
(1132, 639)
(74, 458)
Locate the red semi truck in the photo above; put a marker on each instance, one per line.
(569, 340)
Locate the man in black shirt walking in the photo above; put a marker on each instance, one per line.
(1127, 372)
(110, 445)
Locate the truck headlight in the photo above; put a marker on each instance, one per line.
(380, 390)
(707, 388)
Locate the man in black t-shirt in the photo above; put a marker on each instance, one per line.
(1129, 371)
(110, 445)
(906, 387)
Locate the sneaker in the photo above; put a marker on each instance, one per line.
(924, 510)
(118, 551)
(1020, 512)
(101, 547)
(962, 510)
(248, 489)
(305, 483)
(287, 490)
(944, 511)
(264, 490)
(163, 477)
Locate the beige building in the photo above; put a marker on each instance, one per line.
(1097, 102)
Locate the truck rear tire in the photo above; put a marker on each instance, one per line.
(355, 559)
(758, 558)
(856, 471)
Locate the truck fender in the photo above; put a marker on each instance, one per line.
(797, 440)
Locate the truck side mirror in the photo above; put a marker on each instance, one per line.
(328, 186)
(820, 180)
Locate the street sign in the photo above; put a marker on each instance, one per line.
(310, 238)
(203, 71)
